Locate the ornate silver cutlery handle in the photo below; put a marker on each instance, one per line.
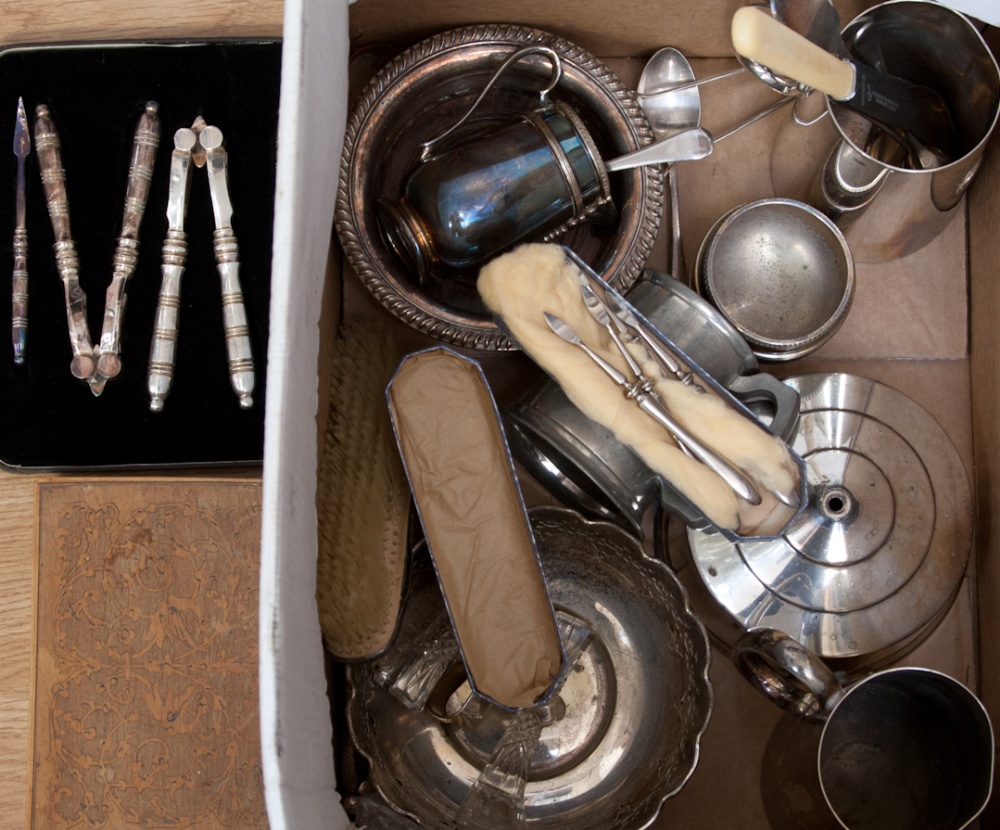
(140, 174)
(241, 366)
(650, 403)
(162, 350)
(67, 263)
(19, 283)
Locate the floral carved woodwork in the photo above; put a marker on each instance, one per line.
(145, 697)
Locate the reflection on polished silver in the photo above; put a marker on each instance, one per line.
(144, 146)
(640, 390)
(617, 319)
(630, 324)
(781, 272)
(200, 145)
(787, 672)
(906, 747)
(433, 84)
(19, 282)
(874, 560)
(584, 465)
(904, 209)
(496, 799)
(67, 262)
(646, 663)
(427, 147)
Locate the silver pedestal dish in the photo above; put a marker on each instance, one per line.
(873, 563)
(432, 85)
(622, 735)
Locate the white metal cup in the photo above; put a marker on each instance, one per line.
(906, 747)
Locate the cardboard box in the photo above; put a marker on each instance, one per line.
(925, 325)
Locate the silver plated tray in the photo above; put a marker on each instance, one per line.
(623, 734)
(873, 563)
(429, 87)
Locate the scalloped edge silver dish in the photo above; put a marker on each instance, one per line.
(661, 697)
(585, 78)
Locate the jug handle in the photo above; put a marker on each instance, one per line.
(784, 670)
(427, 146)
(762, 388)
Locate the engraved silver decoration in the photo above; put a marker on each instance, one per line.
(201, 145)
(19, 282)
(144, 146)
(67, 263)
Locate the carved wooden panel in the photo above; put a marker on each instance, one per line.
(145, 695)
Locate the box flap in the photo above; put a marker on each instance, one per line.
(296, 732)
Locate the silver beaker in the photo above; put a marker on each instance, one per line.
(886, 205)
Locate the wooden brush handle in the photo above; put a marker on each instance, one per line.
(759, 37)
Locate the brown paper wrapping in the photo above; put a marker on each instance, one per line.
(476, 526)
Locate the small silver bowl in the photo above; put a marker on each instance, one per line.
(431, 85)
(781, 272)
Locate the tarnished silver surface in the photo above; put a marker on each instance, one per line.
(780, 272)
(432, 84)
(50, 164)
(873, 562)
(624, 732)
(140, 174)
(19, 282)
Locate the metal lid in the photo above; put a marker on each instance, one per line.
(875, 559)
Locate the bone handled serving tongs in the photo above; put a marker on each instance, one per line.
(145, 143)
(201, 145)
(67, 263)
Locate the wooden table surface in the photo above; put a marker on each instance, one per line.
(35, 21)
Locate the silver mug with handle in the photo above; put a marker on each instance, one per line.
(903, 748)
